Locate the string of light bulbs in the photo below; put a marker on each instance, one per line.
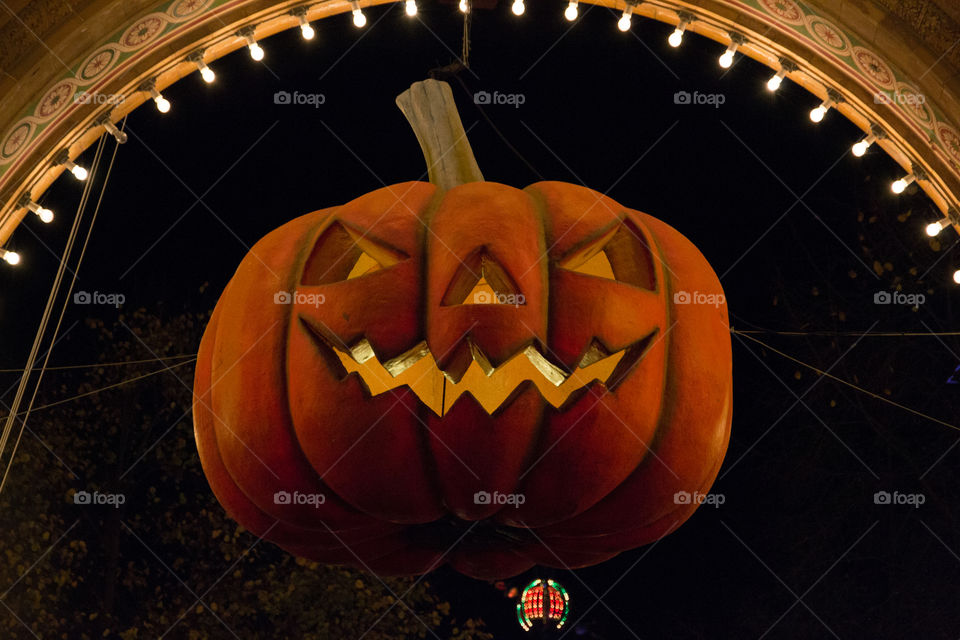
(518, 8)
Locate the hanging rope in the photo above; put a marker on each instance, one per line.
(54, 292)
(108, 387)
(853, 334)
(850, 384)
(97, 365)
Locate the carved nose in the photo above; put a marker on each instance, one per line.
(486, 275)
(480, 279)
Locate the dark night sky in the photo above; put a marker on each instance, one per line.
(799, 478)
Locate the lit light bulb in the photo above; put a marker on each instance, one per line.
(46, 215)
(359, 20)
(956, 276)
(518, 8)
(464, 6)
(676, 38)
(571, 12)
(775, 81)
(817, 114)
(933, 229)
(163, 105)
(307, 31)
(411, 8)
(256, 51)
(78, 172)
(860, 148)
(624, 23)
(726, 60)
(899, 186)
(207, 74)
(10, 257)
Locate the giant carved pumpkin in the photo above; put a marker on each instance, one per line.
(465, 372)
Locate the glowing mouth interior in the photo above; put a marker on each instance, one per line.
(490, 386)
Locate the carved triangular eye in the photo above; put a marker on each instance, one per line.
(620, 253)
(343, 253)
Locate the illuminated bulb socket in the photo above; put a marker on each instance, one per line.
(10, 257)
(45, 215)
(410, 7)
(112, 129)
(359, 20)
(205, 72)
(832, 100)
(726, 60)
(934, 228)
(518, 7)
(786, 66)
(63, 158)
(163, 105)
(676, 38)
(571, 12)
(624, 22)
(305, 29)
(256, 51)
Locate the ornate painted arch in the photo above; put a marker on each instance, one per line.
(888, 71)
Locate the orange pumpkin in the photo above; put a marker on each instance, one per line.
(480, 375)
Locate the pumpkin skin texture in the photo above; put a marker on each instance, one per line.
(276, 411)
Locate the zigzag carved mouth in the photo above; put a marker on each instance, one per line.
(492, 387)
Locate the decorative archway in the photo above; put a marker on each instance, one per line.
(860, 58)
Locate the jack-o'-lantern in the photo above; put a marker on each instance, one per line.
(465, 372)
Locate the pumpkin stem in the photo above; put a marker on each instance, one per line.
(429, 108)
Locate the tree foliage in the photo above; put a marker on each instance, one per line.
(167, 562)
